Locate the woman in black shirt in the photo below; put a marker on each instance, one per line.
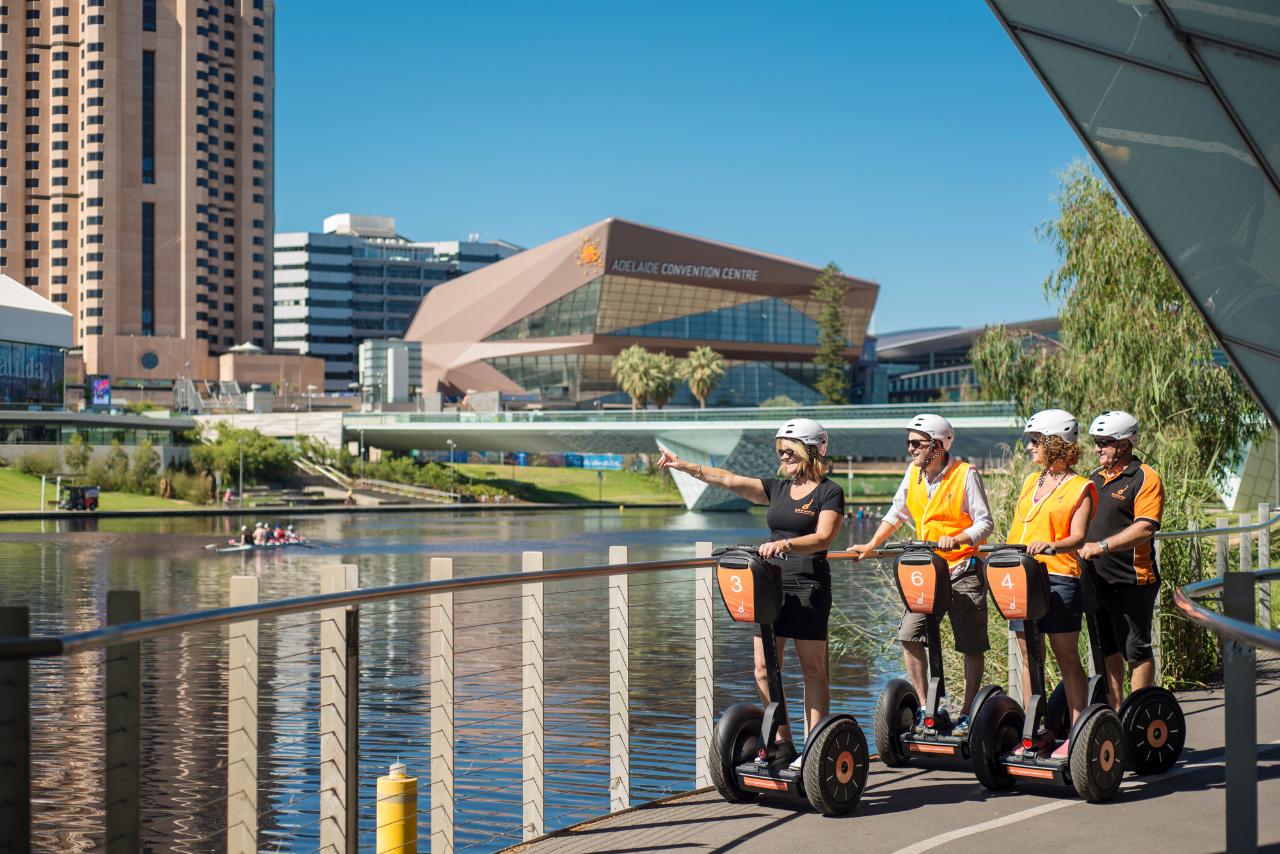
(805, 511)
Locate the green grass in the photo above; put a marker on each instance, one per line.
(567, 486)
(20, 491)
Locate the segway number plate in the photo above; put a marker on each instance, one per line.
(1008, 586)
(917, 583)
(738, 590)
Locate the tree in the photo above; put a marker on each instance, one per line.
(702, 369)
(78, 453)
(1131, 340)
(629, 368)
(145, 468)
(833, 320)
(660, 377)
(265, 458)
(779, 401)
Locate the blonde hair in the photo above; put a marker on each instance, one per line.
(814, 467)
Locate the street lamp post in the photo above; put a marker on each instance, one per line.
(362, 455)
(311, 392)
(240, 442)
(451, 445)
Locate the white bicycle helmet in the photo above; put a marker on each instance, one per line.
(807, 431)
(1054, 422)
(935, 427)
(1115, 424)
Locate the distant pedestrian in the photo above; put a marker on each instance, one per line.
(228, 497)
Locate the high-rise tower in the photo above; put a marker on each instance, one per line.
(136, 149)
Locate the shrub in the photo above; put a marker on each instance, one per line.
(779, 401)
(144, 469)
(189, 486)
(40, 461)
(77, 454)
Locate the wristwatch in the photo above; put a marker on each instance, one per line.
(1102, 544)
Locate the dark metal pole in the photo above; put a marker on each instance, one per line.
(124, 718)
(1239, 668)
(353, 730)
(15, 738)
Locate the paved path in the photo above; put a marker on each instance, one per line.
(944, 808)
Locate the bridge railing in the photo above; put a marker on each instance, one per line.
(771, 415)
(1243, 622)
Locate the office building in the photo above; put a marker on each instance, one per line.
(359, 279)
(136, 174)
(390, 369)
(34, 337)
(551, 320)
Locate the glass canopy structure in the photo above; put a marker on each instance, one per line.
(1179, 103)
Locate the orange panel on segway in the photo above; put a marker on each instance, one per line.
(737, 588)
(750, 588)
(1019, 585)
(924, 581)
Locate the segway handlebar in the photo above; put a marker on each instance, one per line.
(755, 550)
(906, 546)
(1012, 547)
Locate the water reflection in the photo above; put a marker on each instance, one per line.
(64, 575)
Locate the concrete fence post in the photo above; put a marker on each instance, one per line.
(534, 700)
(242, 722)
(442, 709)
(704, 655)
(1246, 545)
(124, 721)
(619, 686)
(1264, 562)
(336, 761)
(15, 737)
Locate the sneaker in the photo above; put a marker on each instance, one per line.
(1062, 752)
(920, 720)
(797, 762)
(961, 729)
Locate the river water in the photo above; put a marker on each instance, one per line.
(62, 570)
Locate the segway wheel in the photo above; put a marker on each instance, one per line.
(735, 740)
(1098, 757)
(1154, 730)
(895, 715)
(996, 731)
(835, 768)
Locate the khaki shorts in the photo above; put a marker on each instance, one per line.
(968, 614)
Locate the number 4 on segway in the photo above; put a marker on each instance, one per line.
(924, 582)
(1009, 742)
(745, 760)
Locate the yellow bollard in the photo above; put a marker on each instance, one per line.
(397, 812)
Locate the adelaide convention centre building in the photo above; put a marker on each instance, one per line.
(549, 321)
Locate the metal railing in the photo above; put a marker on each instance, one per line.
(770, 415)
(340, 661)
(1242, 594)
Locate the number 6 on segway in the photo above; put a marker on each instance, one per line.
(745, 760)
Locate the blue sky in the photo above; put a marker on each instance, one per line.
(909, 143)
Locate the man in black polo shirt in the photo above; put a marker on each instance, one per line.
(1119, 547)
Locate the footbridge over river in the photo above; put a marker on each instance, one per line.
(740, 439)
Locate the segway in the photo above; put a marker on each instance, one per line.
(924, 582)
(1004, 737)
(1155, 728)
(745, 760)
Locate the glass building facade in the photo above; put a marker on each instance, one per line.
(551, 320)
(1177, 102)
(31, 376)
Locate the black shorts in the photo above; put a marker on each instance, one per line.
(1066, 605)
(1124, 616)
(806, 607)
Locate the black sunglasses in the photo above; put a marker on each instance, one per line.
(917, 444)
(1035, 439)
(784, 453)
(1105, 441)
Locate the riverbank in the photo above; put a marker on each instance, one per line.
(21, 492)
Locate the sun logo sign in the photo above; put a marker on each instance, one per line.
(590, 258)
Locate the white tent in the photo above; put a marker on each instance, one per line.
(28, 318)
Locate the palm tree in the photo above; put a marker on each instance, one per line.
(702, 370)
(661, 375)
(631, 369)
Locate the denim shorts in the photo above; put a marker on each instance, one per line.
(1066, 605)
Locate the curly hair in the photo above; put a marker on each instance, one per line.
(1058, 449)
(815, 467)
